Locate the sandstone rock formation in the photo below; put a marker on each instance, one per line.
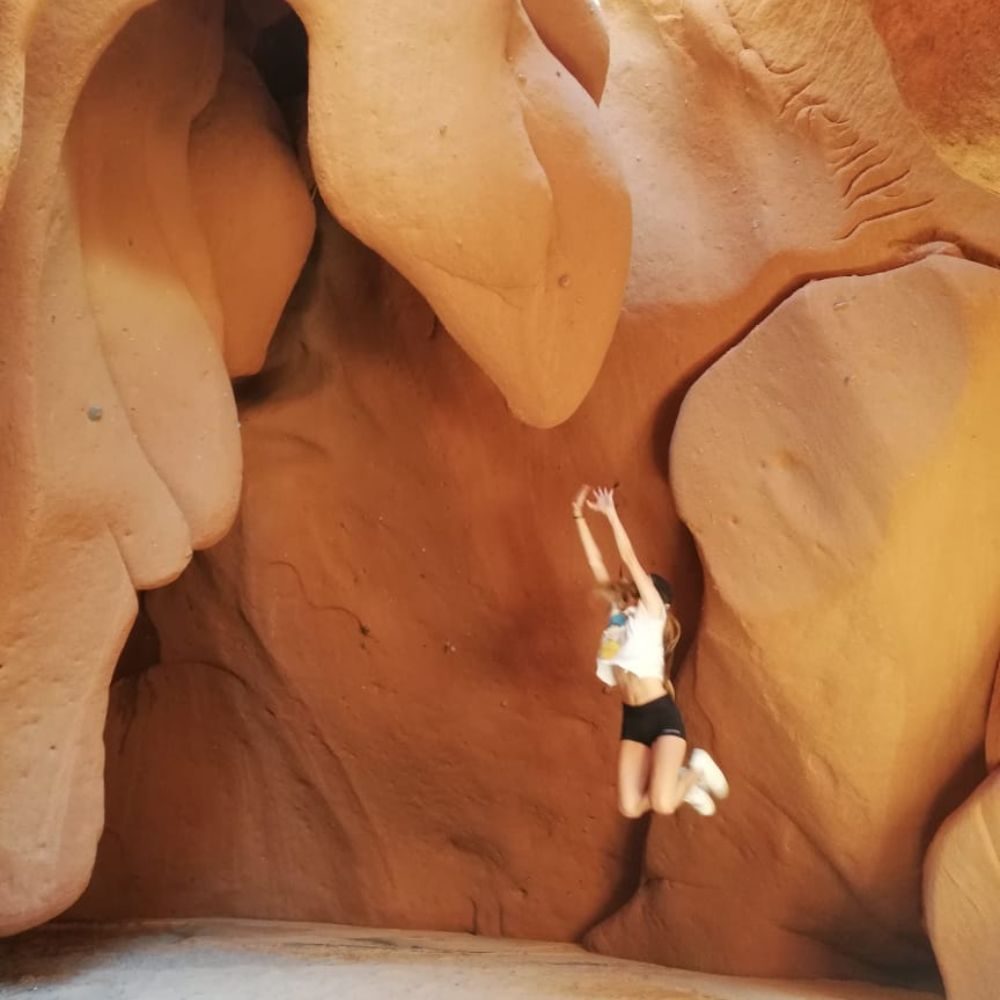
(151, 231)
(961, 890)
(369, 702)
(356, 709)
(237, 960)
(993, 728)
(121, 451)
(944, 58)
(760, 155)
(252, 204)
(511, 216)
(575, 33)
(834, 469)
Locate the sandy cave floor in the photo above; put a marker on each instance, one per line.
(247, 960)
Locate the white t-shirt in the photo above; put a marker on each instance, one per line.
(632, 640)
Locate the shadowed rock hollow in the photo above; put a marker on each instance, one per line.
(458, 262)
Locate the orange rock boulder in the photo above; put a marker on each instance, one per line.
(121, 451)
(962, 895)
(452, 141)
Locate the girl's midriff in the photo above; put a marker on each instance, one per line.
(637, 690)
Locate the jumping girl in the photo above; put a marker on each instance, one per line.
(637, 647)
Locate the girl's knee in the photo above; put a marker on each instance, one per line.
(630, 808)
(663, 805)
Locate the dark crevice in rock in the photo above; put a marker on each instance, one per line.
(276, 41)
(142, 648)
(631, 872)
(281, 55)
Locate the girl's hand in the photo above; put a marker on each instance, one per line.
(603, 502)
(579, 499)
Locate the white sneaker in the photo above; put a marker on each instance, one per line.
(700, 801)
(709, 773)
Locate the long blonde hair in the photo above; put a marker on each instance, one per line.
(671, 636)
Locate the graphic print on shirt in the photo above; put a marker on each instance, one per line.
(612, 637)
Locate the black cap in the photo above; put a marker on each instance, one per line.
(663, 588)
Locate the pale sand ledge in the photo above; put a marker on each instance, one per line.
(265, 960)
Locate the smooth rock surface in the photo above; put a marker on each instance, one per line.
(191, 960)
(121, 449)
(962, 895)
(253, 206)
(452, 141)
(97, 500)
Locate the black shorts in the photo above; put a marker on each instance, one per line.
(647, 723)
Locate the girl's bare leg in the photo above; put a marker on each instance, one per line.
(634, 762)
(653, 778)
(669, 781)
